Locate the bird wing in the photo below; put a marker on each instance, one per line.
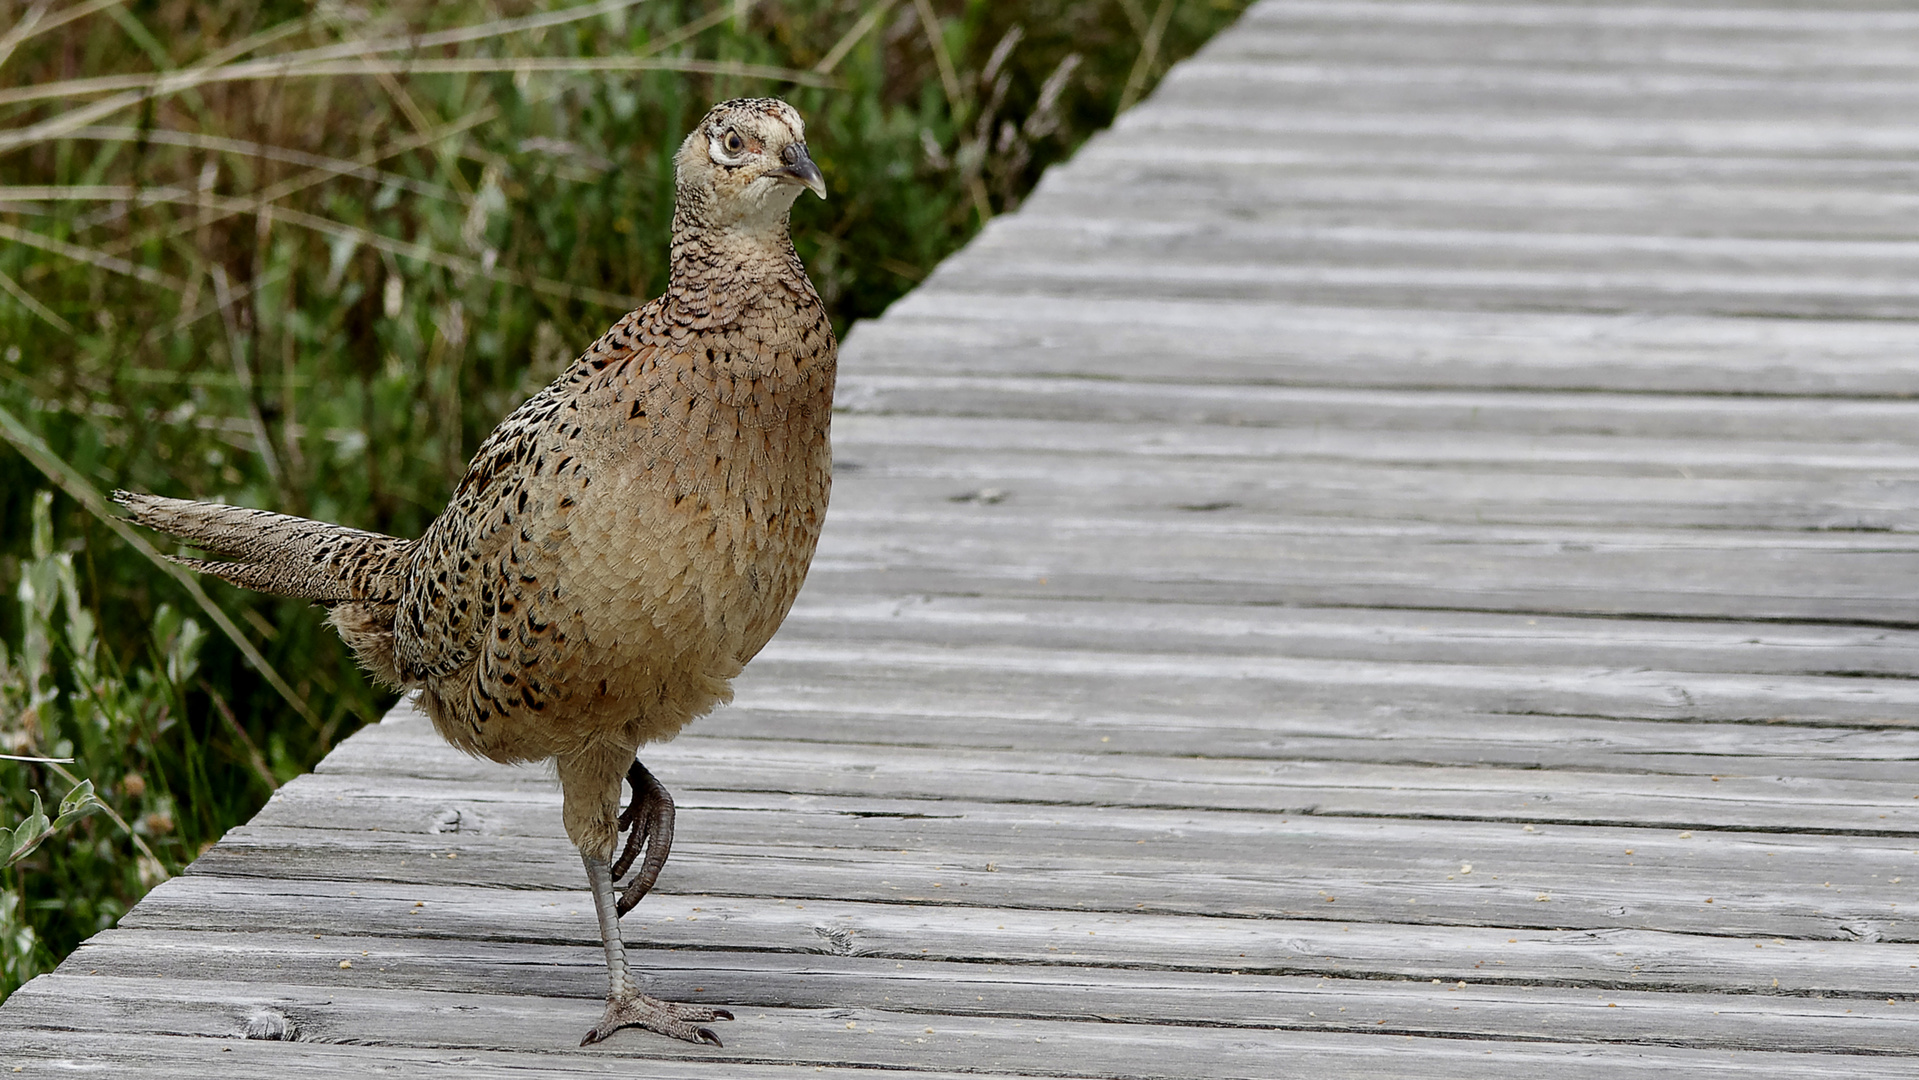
(489, 559)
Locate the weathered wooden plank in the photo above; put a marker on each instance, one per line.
(1593, 494)
(1541, 569)
(1334, 1056)
(1649, 133)
(1213, 863)
(1459, 268)
(1137, 159)
(183, 1057)
(1793, 48)
(1006, 550)
(1512, 90)
(1645, 287)
(1359, 730)
(1742, 904)
(1248, 464)
(1278, 786)
(1350, 634)
(1197, 177)
(723, 927)
(760, 980)
(1822, 426)
(999, 331)
(1298, 191)
(1283, 195)
(1866, 18)
(1144, 443)
(1257, 251)
(1275, 693)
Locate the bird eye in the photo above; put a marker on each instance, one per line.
(728, 148)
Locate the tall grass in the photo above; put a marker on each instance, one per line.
(305, 256)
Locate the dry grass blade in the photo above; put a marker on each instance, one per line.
(226, 206)
(416, 115)
(188, 318)
(81, 117)
(419, 251)
(254, 758)
(571, 65)
(949, 76)
(70, 481)
(1148, 55)
(156, 86)
(35, 22)
(853, 37)
(1136, 15)
(216, 68)
(66, 192)
(704, 23)
(243, 371)
(23, 29)
(476, 32)
(293, 185)
(88, 255)
(333, 166)
(427, 254)
(33, 304)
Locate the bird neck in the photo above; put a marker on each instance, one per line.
(702, 257)
(705, 248)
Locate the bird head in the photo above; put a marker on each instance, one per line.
(745, 163)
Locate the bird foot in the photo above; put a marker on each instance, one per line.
(669, 1018)
(648, 823)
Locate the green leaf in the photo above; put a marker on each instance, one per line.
(20, 841)
(28, 834)
(81, 795)
(79, 802)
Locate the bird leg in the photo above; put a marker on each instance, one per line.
(650, 818)
(625, 1005)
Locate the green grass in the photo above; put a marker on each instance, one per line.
(316, 288)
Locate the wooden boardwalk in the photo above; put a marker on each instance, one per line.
(1400, 560)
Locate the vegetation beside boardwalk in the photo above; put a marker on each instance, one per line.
(313, 286)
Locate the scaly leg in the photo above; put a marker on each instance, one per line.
(625, 1005)
(650, 818)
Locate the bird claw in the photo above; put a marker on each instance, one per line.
(669, 1018)
(649, 817)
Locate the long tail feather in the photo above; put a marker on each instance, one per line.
(277, 553)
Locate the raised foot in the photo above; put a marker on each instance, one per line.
(650, 820)
(669, 1018)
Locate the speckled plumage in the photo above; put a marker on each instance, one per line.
(625, 541)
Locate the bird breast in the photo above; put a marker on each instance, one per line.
(628, 539)
(716, 468)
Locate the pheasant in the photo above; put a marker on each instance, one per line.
(620, 546)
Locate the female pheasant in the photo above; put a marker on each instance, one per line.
(621, 545)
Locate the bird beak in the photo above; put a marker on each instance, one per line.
(799, 169)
